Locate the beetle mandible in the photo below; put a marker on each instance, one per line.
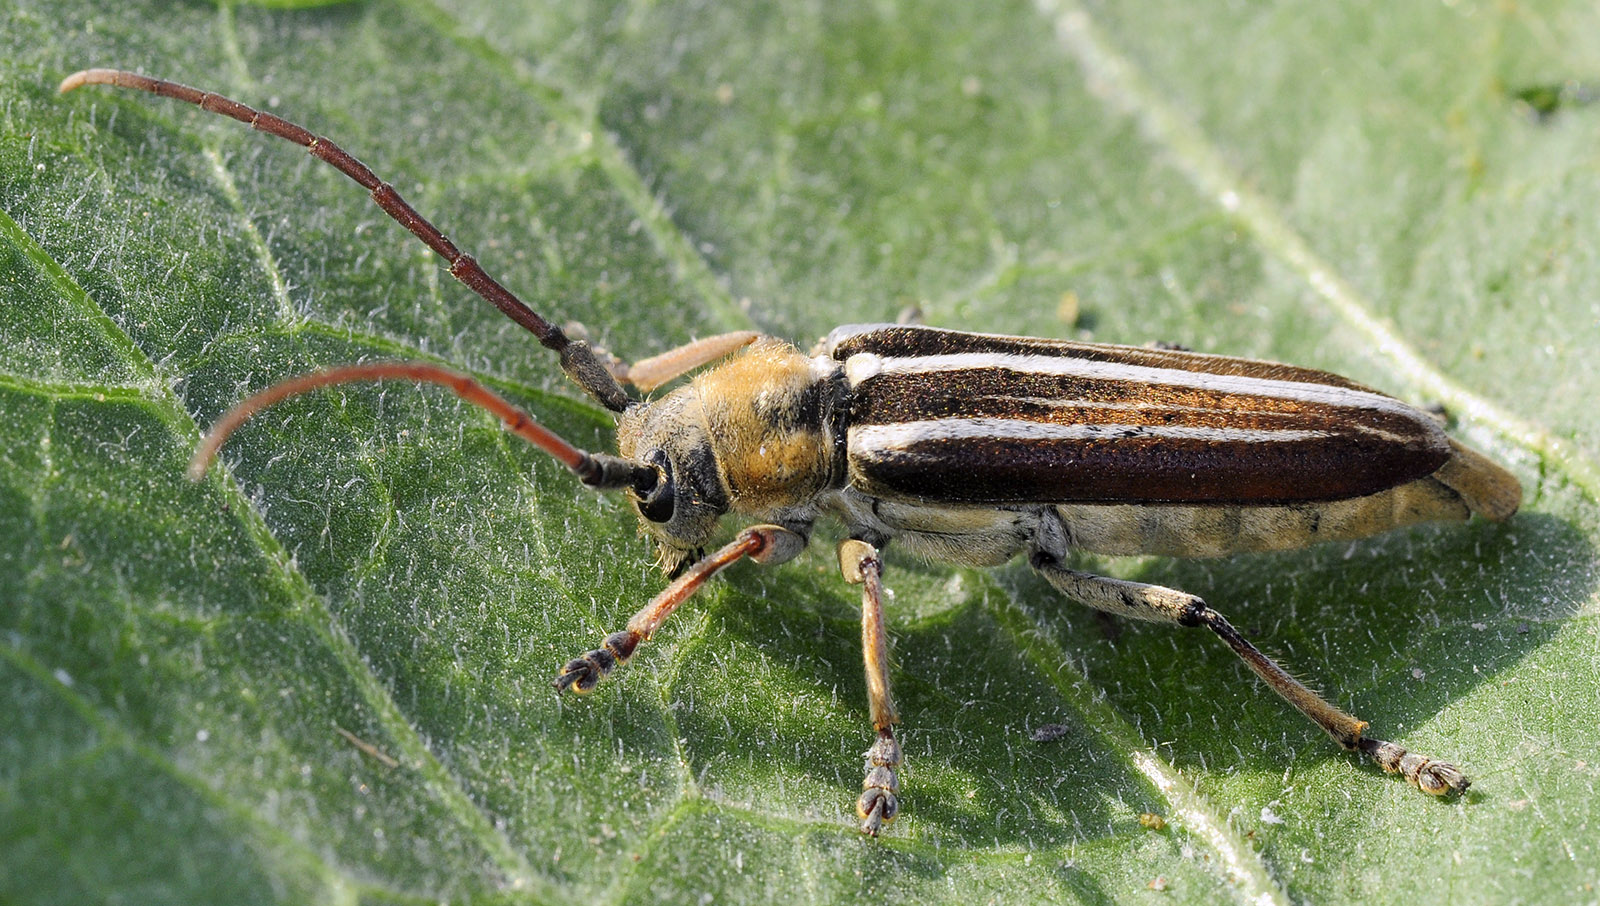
(963, 447)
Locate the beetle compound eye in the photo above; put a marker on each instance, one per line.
(657, 506)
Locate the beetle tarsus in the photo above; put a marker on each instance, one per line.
(584, 673)
(1439, 778)
(879, 803)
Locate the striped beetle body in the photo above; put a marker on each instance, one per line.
(954, 443)
(975, 448)
(969, 448)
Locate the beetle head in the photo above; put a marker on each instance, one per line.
(681, 511)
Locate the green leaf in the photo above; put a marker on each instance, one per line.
(323, 673)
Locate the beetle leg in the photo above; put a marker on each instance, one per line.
(648, 374)
(1166, 605)
(879, 802)
(761, 543)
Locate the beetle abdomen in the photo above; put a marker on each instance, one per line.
(1217, 531)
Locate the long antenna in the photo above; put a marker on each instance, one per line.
(577, 359)
(598, 470)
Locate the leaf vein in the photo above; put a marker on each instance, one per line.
(1252, 880)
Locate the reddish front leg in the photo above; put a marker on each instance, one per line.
(761, 543)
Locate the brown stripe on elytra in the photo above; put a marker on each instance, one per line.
(1136, 469)
(908, 341)
(987, 392)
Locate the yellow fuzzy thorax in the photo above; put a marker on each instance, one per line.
(769, 453)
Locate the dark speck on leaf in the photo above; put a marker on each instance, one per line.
(1543, 102)
(1050, 732)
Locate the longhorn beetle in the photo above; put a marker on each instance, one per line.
(971, 448)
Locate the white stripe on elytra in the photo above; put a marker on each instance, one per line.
(863, 366)
(872, 438)
(1137, 406)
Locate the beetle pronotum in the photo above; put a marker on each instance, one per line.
(971, 448)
